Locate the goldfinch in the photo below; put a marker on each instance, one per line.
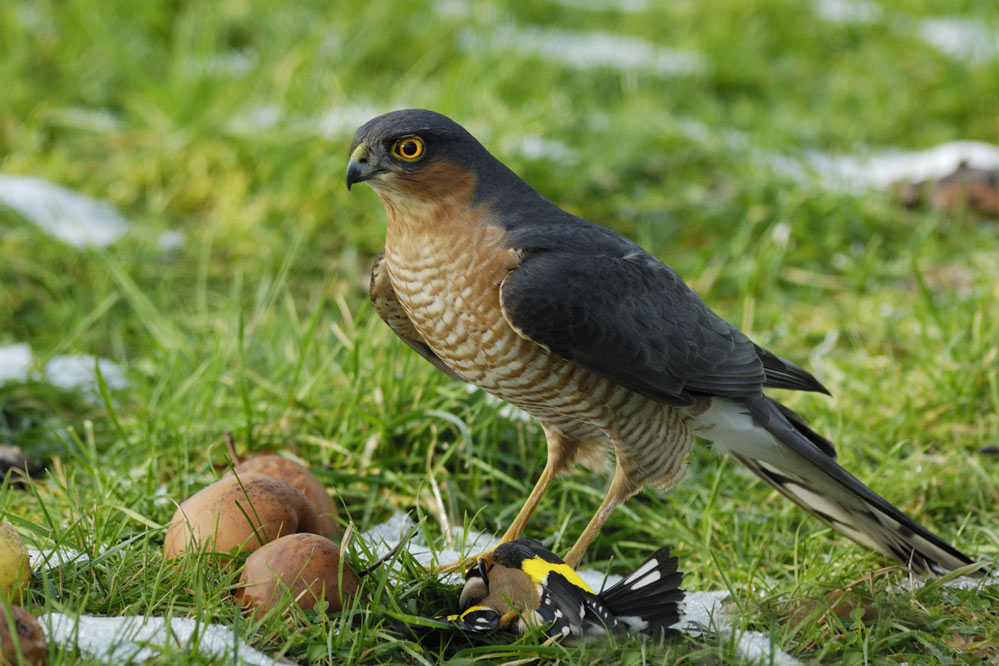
(522, 584)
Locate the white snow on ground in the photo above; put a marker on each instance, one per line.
(88, 118)
(77, 371)
(585, 50)
(973, 41)
(168, 241)
(961, 38)
(535, 147)
(71, 217)
(872, 168)
(879, 169)
(229, 64)
(623, 6)
(135, 639)
(15, 363)
(343, 121)
(384, 537)
(847, 11)
(54, 558)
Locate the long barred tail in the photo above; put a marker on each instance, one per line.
(649, 598)
(777, 445)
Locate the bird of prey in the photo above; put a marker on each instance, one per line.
(610, 351)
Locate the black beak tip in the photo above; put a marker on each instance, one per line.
(357, 172)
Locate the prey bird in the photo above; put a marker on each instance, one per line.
(616, 358)
(521, 584)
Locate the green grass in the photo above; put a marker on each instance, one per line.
(259, 324)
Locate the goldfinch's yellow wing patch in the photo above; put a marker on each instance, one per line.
(538, 570)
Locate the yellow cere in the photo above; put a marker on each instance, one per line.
(359, 152)
(538, 569)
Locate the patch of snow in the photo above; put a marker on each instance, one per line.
(94, 120)
(991, 579)
(383, 538)
(135, 639)
(344, 120)
(781, 234)
(760, 648)
(847, 11)
(598, 580)
(163, 497)
(77, 372)
(71, 217)
(452, 8)
(968, 583)
(170, 241)
(586, 50)
(56, 557)
(704, 611)
(258, 118)
(703, 133)
(233, 63)
(264, 117)
(534, 147)
(879, 169)
(15, 363)
(870, 169)
(965, 39)
(701, 610)
(32, 18)
(625, 6)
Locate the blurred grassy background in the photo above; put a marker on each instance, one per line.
(228, 122)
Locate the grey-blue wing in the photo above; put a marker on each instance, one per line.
(632, 319)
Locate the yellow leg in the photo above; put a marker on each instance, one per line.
(561, 451)
(620, 489)
(540, 488)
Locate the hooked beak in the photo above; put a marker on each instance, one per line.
(359, 168)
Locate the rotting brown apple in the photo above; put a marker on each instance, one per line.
(243, 511)
(27, 634)
(300, 477)
(308, 566)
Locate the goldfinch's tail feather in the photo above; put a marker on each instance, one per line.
(649, 598)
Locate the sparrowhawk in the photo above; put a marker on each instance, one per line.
(601, 342)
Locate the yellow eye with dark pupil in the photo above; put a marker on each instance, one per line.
(410, 148)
